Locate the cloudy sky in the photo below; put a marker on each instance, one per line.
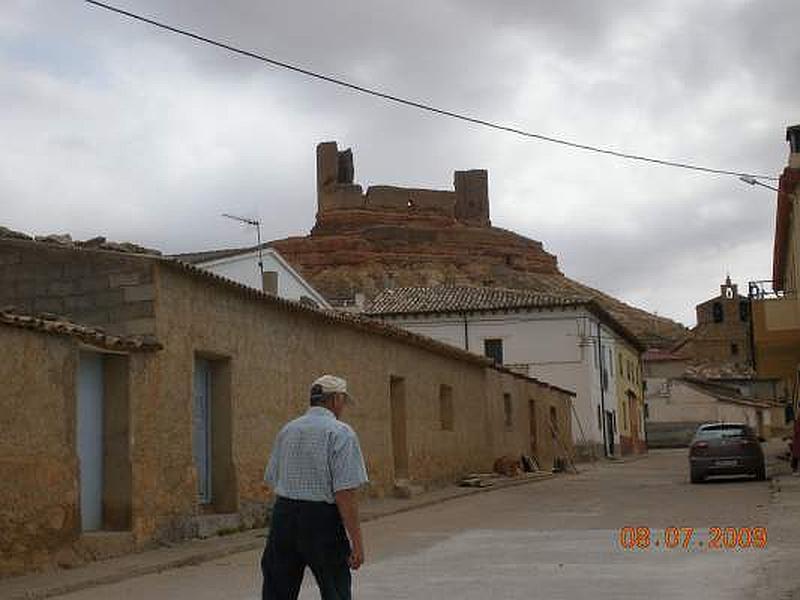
(118, 129)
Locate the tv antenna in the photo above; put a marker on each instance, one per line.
(254, 223)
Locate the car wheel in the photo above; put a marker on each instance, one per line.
(696, 476)
(761, 473)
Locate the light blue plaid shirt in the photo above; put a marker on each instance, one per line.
(314, 457)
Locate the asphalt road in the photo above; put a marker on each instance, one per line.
(553, 539)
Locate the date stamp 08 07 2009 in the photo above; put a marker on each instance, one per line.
(691, 538)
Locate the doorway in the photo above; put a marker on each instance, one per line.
(610, 432)
(201, 428)
(633, 415)
(89, 439)
(532, 416)
(397, 406)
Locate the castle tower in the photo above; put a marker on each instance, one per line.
(472, 197)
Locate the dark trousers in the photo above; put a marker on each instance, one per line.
(305, 534)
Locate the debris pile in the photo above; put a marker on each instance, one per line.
(65, 239)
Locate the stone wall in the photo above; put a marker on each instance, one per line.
(38, 460)
(274, 354)
(511, 433)
(92, 287)
(336, 191)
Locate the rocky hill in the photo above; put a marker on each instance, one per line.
(369, 259)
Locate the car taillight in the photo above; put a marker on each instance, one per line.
(699, 448)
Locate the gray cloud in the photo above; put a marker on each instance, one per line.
(122, 130)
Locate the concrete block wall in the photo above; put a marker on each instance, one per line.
(111, 290)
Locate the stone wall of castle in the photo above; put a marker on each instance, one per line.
(467, 203)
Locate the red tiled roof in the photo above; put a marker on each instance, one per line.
(440, 299)
(659, 355)
(57, 325)
(460, 299)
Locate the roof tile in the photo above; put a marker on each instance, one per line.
(417, 300)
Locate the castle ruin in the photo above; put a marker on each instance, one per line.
(468, 203)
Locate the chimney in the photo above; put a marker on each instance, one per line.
(269, 282)
(793, 137)
(360, 301)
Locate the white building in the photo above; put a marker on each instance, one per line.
(242, 265)
(570, 342)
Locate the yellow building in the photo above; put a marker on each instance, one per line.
(630, 399)
(775, 303)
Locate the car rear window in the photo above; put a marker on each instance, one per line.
(722, 431)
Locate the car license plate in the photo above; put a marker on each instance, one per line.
(727, 463)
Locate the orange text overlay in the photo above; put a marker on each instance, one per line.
(691, 538)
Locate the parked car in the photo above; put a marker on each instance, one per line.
(725, 449)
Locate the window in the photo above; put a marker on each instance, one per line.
(508, 411)
(723, 431)
(493, 349)
(446, 416)
(599, 418)
(744, 310)
(646, 410)
(734, 349)
(716, 312)
(619, 362)
(553, 422)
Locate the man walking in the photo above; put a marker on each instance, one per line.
(315, 471)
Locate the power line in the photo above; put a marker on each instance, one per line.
(420, 105)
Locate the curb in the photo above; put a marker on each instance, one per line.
(234, 548)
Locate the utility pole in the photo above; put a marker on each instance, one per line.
(257, 224)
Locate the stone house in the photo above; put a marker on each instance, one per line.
(567, 340)
(159, 426)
